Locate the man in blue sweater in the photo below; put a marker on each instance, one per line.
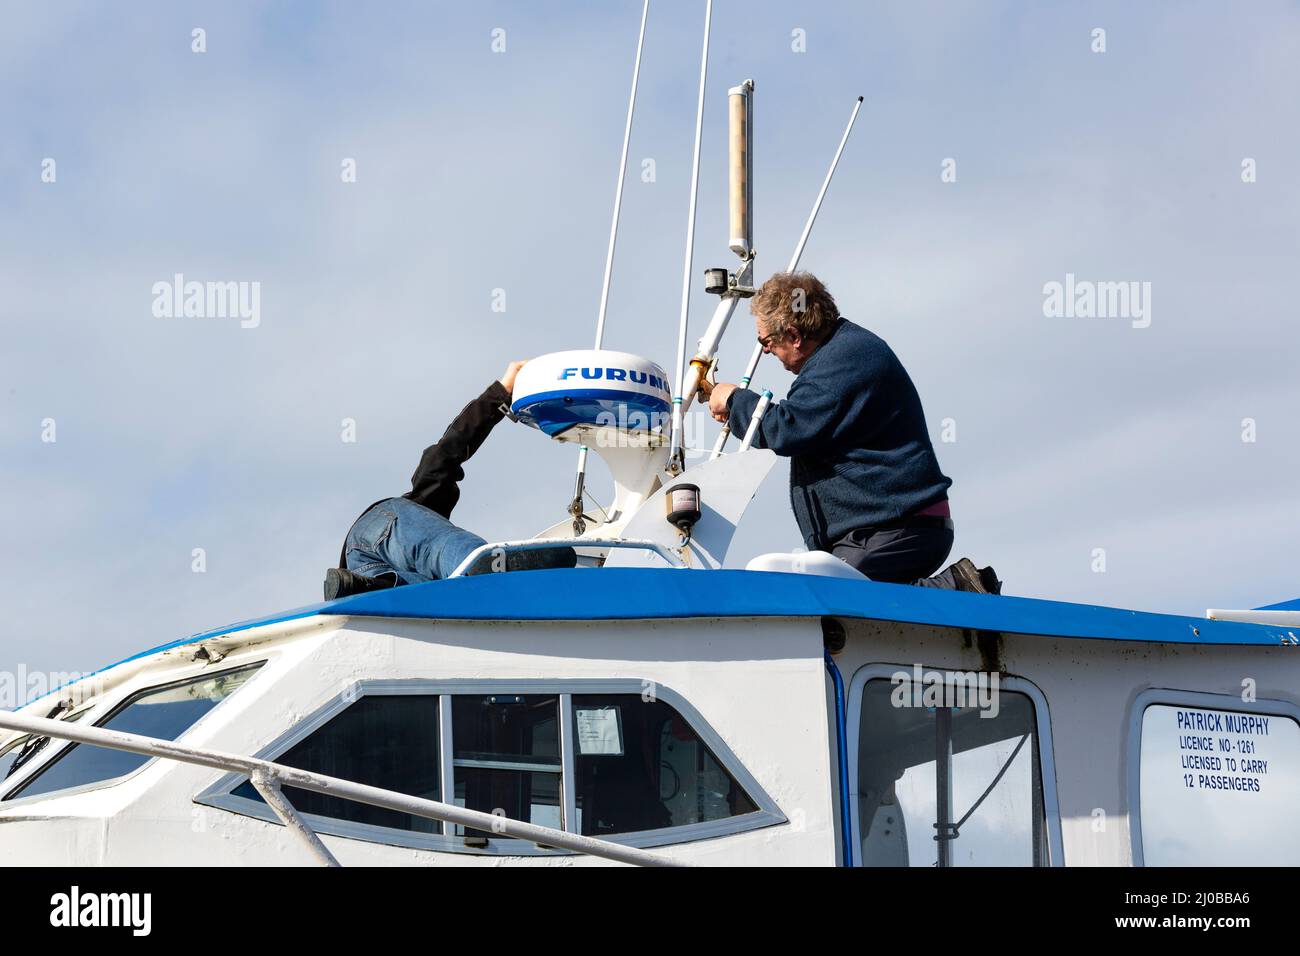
(865, 484)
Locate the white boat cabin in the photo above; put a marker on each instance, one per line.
(719, 717)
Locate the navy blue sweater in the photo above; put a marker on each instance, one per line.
(854, 431)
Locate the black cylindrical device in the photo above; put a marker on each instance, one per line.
(683, 505)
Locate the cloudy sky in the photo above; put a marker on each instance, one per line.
(479, 170)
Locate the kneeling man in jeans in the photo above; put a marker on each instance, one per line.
(865, 484)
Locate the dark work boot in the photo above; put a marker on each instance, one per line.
(989, 578)
(975, 580)
(340, 582)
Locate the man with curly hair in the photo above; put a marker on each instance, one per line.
(865, 483)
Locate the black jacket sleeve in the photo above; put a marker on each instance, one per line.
(435, 482)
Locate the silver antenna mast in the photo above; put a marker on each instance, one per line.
(575, 507)
(794, 264)
(675, 458)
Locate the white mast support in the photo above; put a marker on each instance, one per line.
(740, 174)
(575, 507)
(764, 400)
(271, 775)
(679, 369)
(794, 259)
(579, 486)
(709, 343)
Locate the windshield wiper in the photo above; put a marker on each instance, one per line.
(35, 745)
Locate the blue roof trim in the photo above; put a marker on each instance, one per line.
(656, 593)
(642, 593)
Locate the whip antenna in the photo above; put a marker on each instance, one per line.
(679, 370)
(575, 507)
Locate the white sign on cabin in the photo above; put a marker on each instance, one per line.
(1219, 787)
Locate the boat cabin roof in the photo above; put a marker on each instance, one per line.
(577, 594)
(584, 594)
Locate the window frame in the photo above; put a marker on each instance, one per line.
(1042, 726)
(450, 762)
(220, 795)
(105, 710)
(1173, 697)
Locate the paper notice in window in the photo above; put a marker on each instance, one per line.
(599, 732)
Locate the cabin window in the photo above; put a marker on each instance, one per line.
(506, 757)
(1221, 785)
(949, 785)
(386, 741)
(163, 712)
(640, 766)
(591, 757)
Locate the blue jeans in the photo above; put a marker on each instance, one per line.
(400, 537)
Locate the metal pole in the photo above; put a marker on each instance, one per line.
(622, 172)
(270, 790)
(763, 401)
(812, 216)
(575, 507)
(943, 783)
(543, 544)
(675, 452)
(794, 260)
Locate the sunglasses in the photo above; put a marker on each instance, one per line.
(765, 341)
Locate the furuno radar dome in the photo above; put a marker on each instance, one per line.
(567, 395)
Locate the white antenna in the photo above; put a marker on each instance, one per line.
(812, 216)
(679, 370)
(794, 264)
(575, 507)
(622, 171)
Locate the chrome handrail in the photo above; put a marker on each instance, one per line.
(268, 777)
(542, 544)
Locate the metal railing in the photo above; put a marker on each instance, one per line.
(268, 778)
(542, 544)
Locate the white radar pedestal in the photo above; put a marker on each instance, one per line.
(619, 406)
